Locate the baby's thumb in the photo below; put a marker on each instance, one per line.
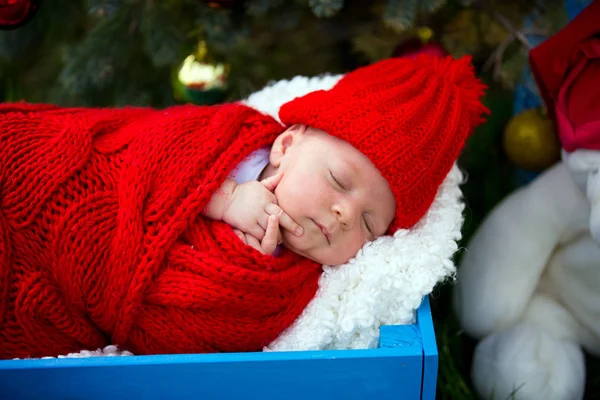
(271, 182)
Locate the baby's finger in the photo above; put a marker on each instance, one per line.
(254, 242)
(263, 221)
(269, 242)
(240, 235)
(285, 221)
(257, 231)
(272, 182)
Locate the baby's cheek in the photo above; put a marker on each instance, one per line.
(354, 244)
(297, 195)
(338, 256)
(344, 251)
(285, 197)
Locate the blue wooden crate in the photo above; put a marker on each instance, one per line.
(404, 366)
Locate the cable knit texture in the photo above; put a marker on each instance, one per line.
(101, 238)
(411, 117)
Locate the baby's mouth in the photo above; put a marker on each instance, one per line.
(323, 230)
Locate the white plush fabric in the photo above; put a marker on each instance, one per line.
(385, 282)
(528, 288)
(584, 166)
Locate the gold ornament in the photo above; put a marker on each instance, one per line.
(530, 141)
(424, 33)
(199, 79)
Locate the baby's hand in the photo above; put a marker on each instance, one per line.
(269, 241)
(252, 203)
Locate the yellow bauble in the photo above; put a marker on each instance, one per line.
(530, 141)
(199, 79)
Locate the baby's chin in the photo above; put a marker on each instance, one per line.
(293, 243)
(298, 244)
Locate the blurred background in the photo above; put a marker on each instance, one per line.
(159, 53)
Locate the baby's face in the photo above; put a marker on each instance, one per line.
(333, 191)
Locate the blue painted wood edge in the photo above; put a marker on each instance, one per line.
(394, 341)
(210, 358)
(400, 344)
(396, 367)
(430, 351)
(400, 336)
(383, 374)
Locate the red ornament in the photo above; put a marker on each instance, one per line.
(14, 13)
(414, 46)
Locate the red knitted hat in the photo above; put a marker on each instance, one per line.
(411, 117)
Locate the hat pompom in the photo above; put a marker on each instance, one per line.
(461, 73)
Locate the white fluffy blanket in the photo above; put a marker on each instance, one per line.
(385, 282)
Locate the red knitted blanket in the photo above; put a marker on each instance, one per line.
(102, 239)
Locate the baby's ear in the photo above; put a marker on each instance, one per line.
(284, 142)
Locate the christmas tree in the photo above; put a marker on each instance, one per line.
(158, 53)
(111, 52)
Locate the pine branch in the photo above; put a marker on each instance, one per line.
(106, 49)
(507, 71)
(217, 27)
(326, 8)
(430, 6)
(400, 14)
(103, 8)
(262, 7)
(163, 36)
(517, 34)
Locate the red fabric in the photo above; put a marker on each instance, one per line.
(567, 70)
(101, 238)
(410, 116)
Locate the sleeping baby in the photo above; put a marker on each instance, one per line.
(335, 199)
(203, 229)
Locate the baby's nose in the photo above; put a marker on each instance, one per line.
(346, 214)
